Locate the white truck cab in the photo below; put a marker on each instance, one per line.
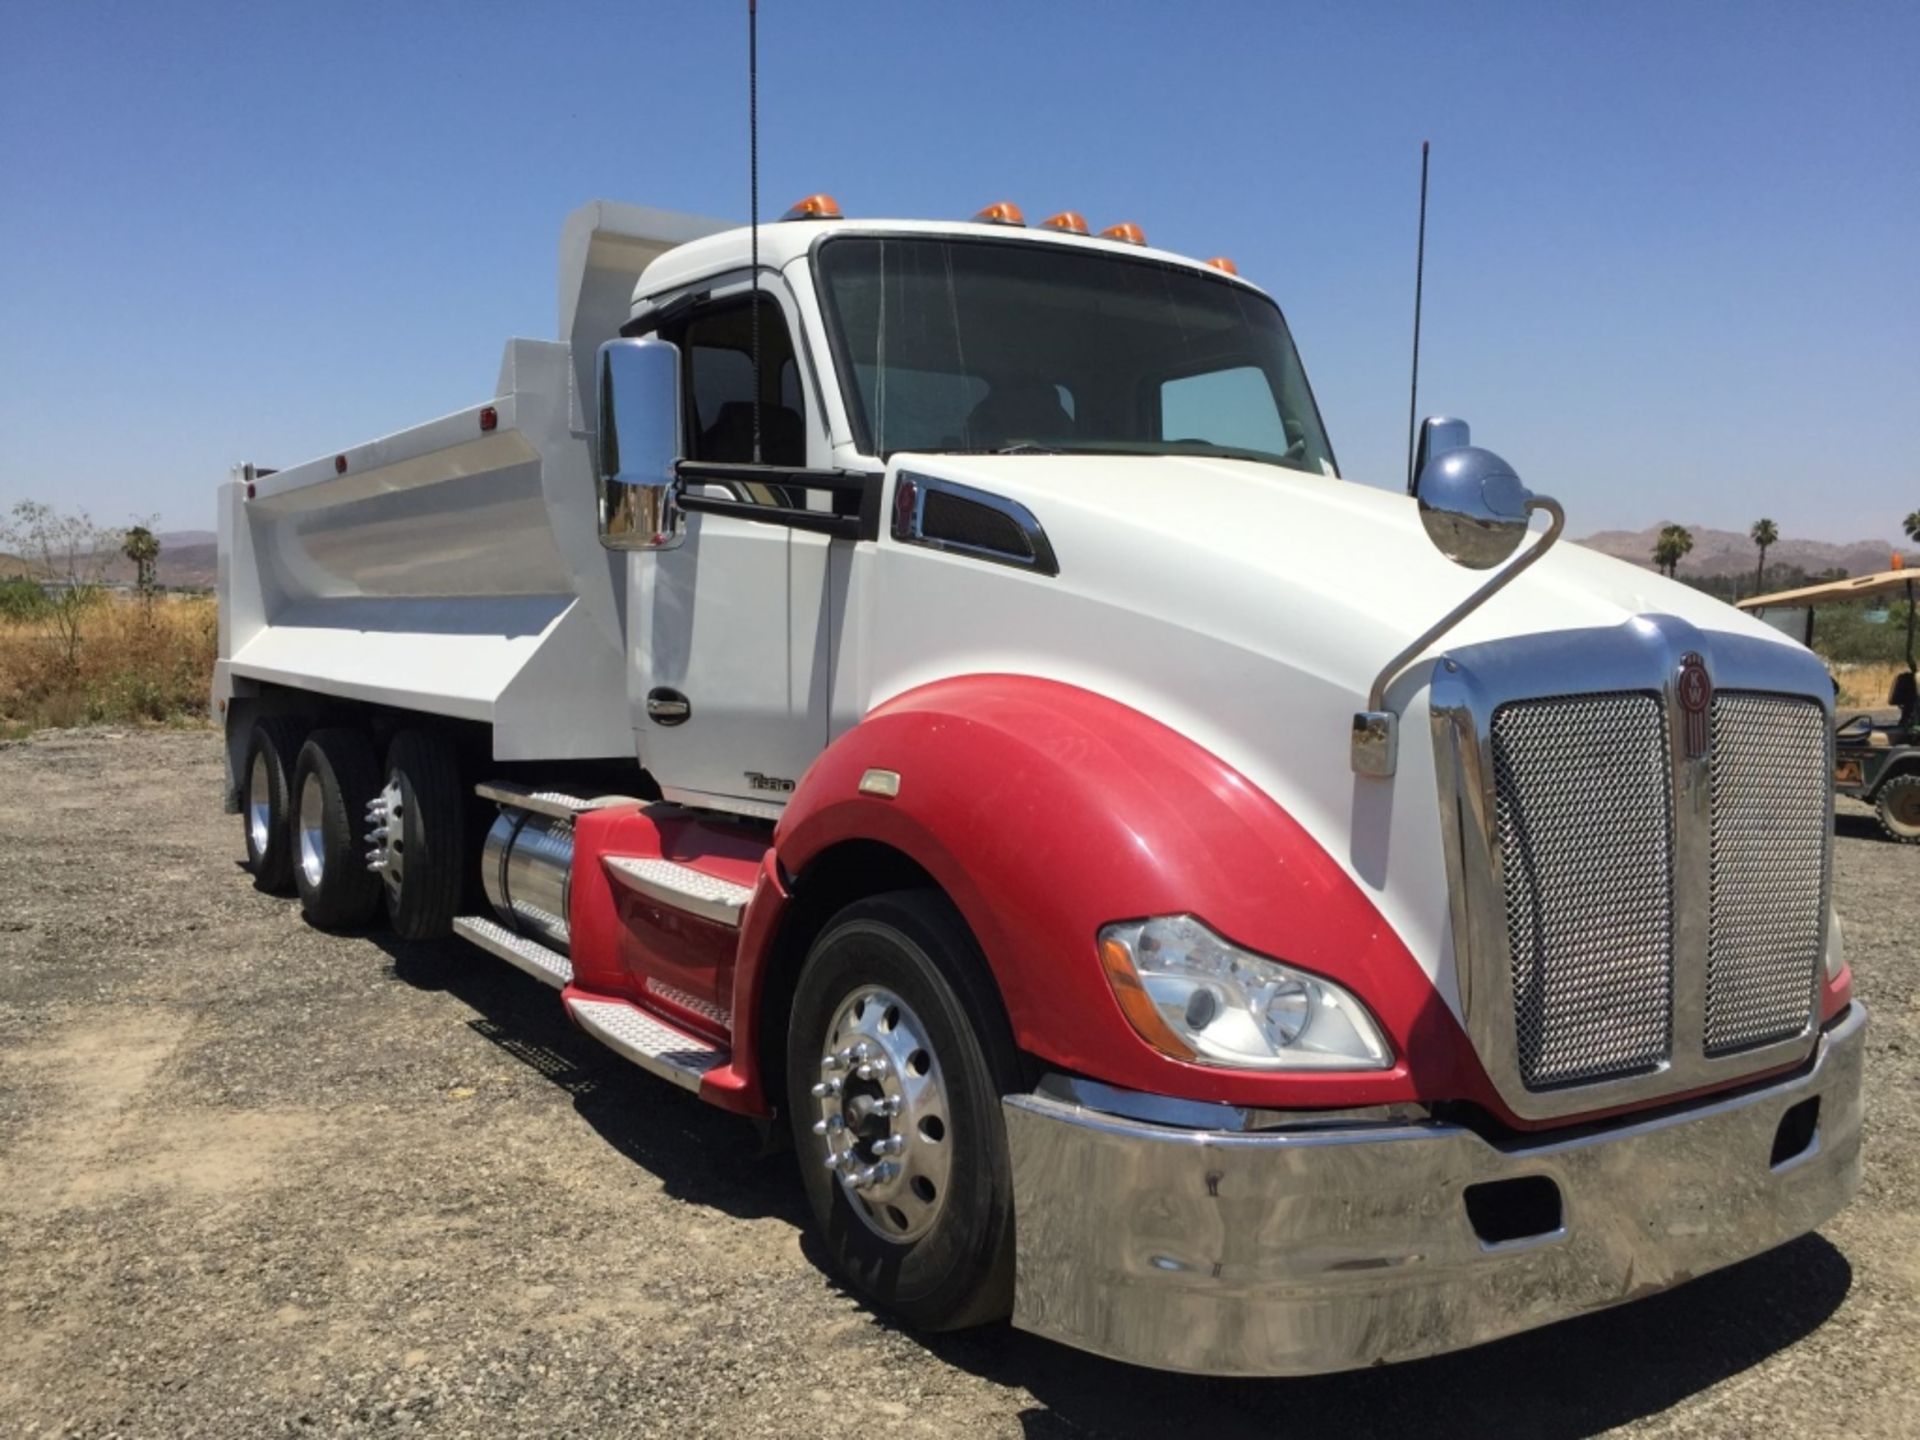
(937, 694)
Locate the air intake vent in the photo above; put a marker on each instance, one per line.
(945, 515)
(978, 527)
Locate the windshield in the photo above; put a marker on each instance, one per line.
(981, 346)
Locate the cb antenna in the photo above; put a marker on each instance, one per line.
(753, 207)
(1419, 278)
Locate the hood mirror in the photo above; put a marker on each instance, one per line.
(1475, 511)
(1473, 507)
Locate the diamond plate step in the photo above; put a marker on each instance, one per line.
(547, 966)
(557, 803)
(680, 888)
(648, 1042)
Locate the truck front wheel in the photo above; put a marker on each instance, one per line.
(334, 782)
(897, 1056)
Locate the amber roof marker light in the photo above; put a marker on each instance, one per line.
(1223, 265)
(1071, 221)
(1126, 232)
(1001, 212)
(815, 207)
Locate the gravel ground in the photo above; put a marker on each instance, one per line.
(256, 1180)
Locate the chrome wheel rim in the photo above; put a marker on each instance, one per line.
(884, 1115)
(386, 835)
(313, 847)
(259, 805)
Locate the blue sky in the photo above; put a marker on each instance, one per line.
(1671, 255)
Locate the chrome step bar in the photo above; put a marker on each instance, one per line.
(559, 804)
(648, 1042)
(549, 967)
(680, 888)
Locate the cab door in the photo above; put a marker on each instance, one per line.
(732, 631)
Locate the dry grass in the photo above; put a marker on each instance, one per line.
(133, 663)
(1864, 687)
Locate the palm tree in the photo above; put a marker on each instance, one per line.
(142, 547)
(1765, 533)
(1912, 524)
(1674, 542)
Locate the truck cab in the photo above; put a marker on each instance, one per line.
(935, 693)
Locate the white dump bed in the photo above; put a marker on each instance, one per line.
(454, 568)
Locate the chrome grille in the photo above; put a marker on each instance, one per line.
(1769, 844)
(1584, 827)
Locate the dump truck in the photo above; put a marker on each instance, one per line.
(928, 687)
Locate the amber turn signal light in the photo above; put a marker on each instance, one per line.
(1125, 231)
(1005, 212)
(1142, 1014)
(815, 207)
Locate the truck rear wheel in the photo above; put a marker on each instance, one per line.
(266, 803)
(334, 782)
(1898, 805)
(897, 1056)
(417, 835)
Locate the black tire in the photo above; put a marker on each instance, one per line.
(426, 868)
(345, 894)
(959, 1272)
(1898, 806)
(273, 747)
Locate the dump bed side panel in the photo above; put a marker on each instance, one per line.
(440, 569)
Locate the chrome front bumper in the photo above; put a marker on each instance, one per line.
(1301, 1251)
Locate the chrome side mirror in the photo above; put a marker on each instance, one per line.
(1473, 506)
(1475, 510)
(639, 445)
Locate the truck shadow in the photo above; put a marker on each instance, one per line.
(1571, 1380)
(701, 1155)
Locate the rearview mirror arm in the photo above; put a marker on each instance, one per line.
(1375, 748)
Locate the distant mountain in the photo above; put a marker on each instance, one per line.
(1728, 552)
(189, 560)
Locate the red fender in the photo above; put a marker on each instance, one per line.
(1045, 811)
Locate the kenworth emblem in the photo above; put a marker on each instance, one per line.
(1696, 696)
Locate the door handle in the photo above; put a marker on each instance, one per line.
(668, 707)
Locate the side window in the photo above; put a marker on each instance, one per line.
(1224, 407)
(717, 348)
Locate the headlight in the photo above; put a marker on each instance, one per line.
(1836, 946)
(1195, 996)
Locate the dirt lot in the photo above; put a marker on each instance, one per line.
(256, 1180)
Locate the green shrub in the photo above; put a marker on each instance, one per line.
(21, 599)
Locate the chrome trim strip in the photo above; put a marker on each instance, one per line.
(1470, 684)
(1097, 1099)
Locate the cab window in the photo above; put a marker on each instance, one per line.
(716, 347)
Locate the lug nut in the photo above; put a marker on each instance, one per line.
(827, 1088)
(892, 1145)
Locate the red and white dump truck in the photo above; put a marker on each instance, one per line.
(936, 694)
